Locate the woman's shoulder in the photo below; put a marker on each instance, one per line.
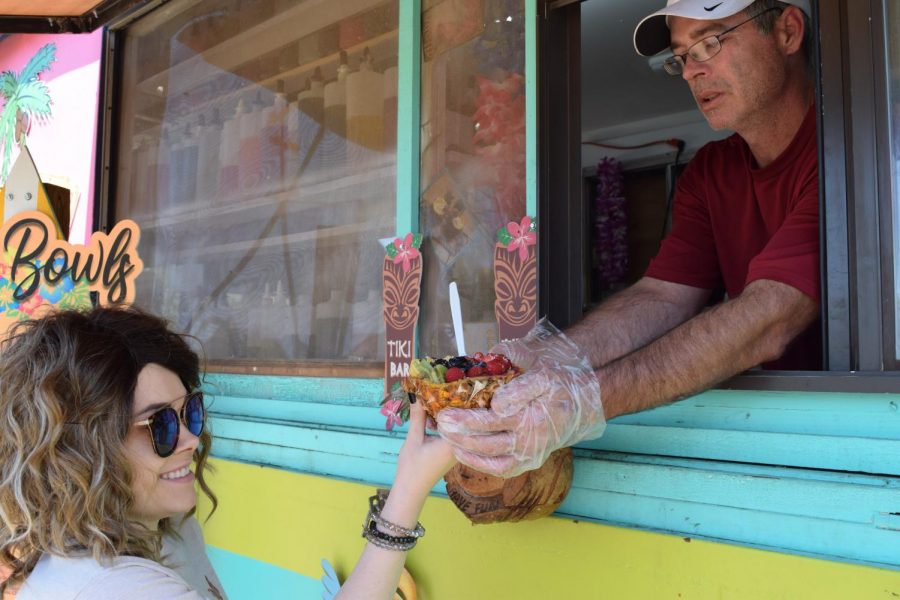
(83, 578)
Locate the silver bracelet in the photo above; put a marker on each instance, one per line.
(376, 503)
(403, 542)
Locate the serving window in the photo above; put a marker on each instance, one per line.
(632, 108)
(257, 152)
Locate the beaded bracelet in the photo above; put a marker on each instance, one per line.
(373, 531)
(376, 503)
(390, 545)
(397, 542)
(383, 540)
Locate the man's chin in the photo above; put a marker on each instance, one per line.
(716, 122)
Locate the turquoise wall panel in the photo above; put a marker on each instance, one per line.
(247, 579)
(836, 431)
(808, 473)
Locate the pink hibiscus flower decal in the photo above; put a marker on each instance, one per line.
(391, 409)
(31, 304)
(522, 237)
(406, 251)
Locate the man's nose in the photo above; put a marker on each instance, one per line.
(692, 68)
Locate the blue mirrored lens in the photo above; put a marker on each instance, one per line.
(165, 431)
(194, 413)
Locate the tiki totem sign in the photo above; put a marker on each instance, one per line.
(402, 281)
(515, 278)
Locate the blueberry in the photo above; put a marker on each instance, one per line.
(440, 361)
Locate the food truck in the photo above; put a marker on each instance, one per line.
(272, 151)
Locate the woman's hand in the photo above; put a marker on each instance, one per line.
(423, 459)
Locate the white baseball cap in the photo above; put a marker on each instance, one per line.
(651, 36)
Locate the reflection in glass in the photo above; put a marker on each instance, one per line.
(258, 155)
(473, 159)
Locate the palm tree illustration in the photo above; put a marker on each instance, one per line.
(27, 98)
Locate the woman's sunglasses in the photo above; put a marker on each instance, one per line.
(164, 424)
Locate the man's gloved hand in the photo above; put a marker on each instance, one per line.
(554, 404)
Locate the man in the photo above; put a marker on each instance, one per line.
(745, 219)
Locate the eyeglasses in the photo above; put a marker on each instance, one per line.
(164, 424)
(705, 49)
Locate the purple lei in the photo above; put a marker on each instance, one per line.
(610, 223)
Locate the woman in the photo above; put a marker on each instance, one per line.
(103, 439)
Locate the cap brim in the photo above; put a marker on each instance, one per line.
(652, 35)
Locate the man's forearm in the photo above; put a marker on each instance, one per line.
(716, 344)
(633, 318)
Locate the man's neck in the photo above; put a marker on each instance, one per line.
(778, 126)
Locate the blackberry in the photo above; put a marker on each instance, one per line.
(460, 362)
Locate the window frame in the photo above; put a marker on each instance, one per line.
(857, 209)
(881, 48)
(407, 169)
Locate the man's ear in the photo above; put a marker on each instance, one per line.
(790, 29)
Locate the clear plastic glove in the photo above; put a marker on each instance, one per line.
(554, 404)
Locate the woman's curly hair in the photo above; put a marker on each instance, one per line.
(67, 384)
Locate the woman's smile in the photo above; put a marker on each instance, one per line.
(182, 475)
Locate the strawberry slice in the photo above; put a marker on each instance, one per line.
(453, 374)
(475, 371)
(496, 367)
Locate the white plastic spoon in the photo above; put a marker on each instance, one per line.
(456, 313)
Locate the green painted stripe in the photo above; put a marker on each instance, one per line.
(531, 124)
(408, 116)
(248, 579)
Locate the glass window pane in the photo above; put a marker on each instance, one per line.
(893, 20)
(257, 152)
(473, 159)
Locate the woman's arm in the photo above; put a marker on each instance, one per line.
(422, 462)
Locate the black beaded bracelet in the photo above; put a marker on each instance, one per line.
(376, 537)
(376, 503)
(373, 531)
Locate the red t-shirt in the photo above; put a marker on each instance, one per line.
(734, 223)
